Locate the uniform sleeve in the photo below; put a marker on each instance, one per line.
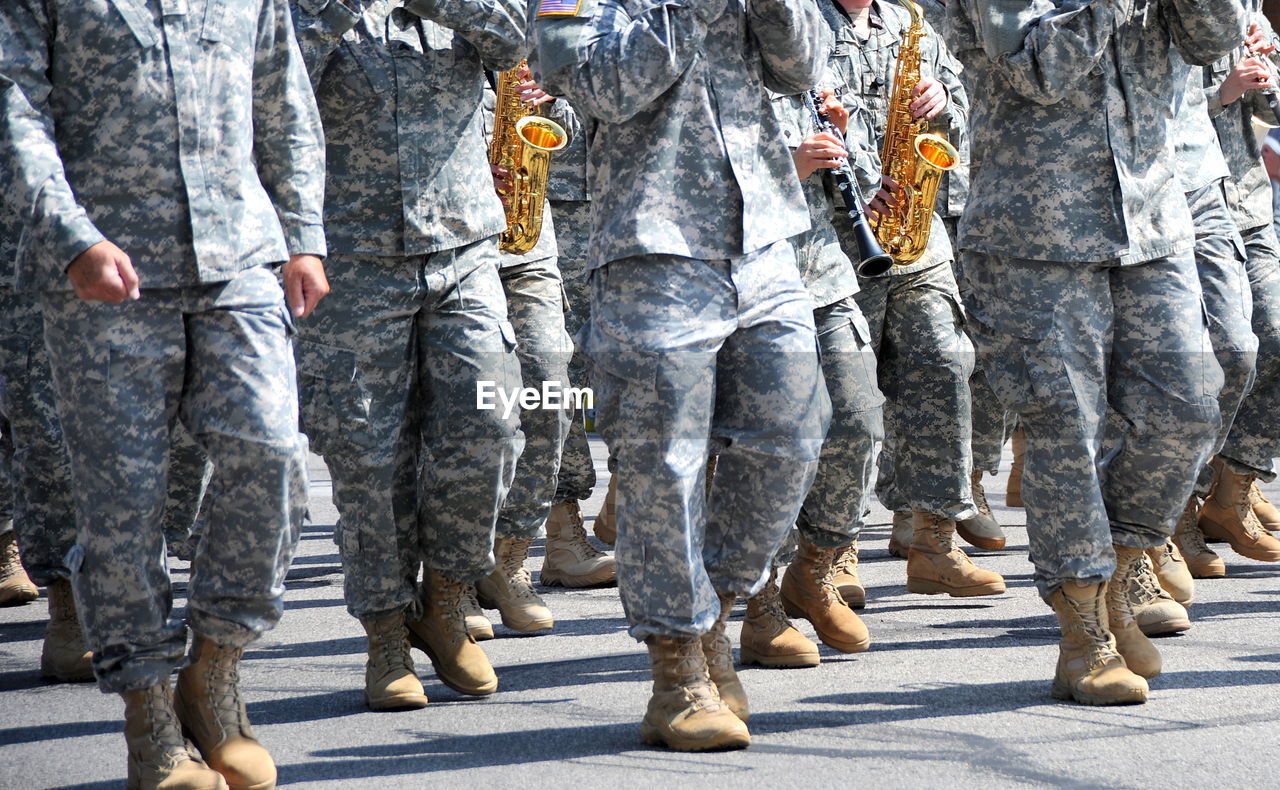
(496, 28)
(562, 112)
(946, 69)
(287, 138)
(794, 41)
(1205, 30)
(39, 192)
(612, 65)
(320, 26)
(1044, 49)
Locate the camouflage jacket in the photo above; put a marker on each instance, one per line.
(865, 71)
(955, 184)
(1200, 159)
(825, 268)
(685, 157)
(1248, 189)
(568, 177)
(184, 131)
(1072, 142)
(399, 86)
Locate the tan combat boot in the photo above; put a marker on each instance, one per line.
(571, 561)
(1090, 669)
(605, 526)
(1172, 573)
(900, 537)
(15, 586)
(1013, 487)
(509, 589)
(685, 712)
(1228, 515)
(1263, 509)
(212, 712)
(718, 651)
(1140, 656)
(981, 530)
(936, 565)
(64, 656)
(1154, 609)
(807, 592)
(478, 624)
(844, 575)
(768, 638)
(390, 682)
(158, 756)
(442, 634)
(1202, 561)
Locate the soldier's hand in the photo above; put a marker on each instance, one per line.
(304, 284)
(928, 99)
(835, 111)
(819, 151)
(103, 273)
(530, 93)
(1249, 74)
(1256, 40)
(886, 198)
(502, 182)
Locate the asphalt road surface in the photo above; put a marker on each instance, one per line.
(953, 693)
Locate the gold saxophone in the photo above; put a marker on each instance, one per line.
(522, 143)
(913, 158)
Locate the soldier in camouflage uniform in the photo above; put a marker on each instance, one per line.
(816, 586)
(700, 325)
(1234, 509)
(15, 586)
(391, 367)
(916, 320)
(1079, 244)
(186, 135)
(990, 428)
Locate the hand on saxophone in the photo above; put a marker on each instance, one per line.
(502, 183)
(887, 198)
(530, 93)
(928, 99)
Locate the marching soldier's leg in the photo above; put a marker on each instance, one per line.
(15, 586)
(464, 342)
(189, 474)
(356, 355)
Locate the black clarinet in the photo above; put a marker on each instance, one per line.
(874, 260)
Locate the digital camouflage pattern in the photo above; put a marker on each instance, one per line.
(124, 374)
(833, 509)
(863, 71)
(913, 312)
(170, 181)
(1064, 338)
(1049, 73)
(399, 85)
(682, 94)
(955, 184)
(390, 366)
(684, 351)
(1082, 339)
(577, 478)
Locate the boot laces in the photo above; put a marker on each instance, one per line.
(165, 731)
(1256, 497)
(449, 596)
(980, 494)
(1143, 588)
(1242, 500)
(390, 641)
(10, 563)
(223, 678)
(821, 572)
(519, 580)
(470, 603)
(1187, 530)
(846, 563)
(693, 675)
(1091, 619)
(578, 544)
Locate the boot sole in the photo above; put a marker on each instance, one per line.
(926, 587)
(1135, 695)
(481, 634)
(606, 578)
(856, 600)
(523, 626)
(721, 741)
(20, 598)
(1209, 573)
(792, 661)
(1254, 554)
(453, 683)
(973, 539)
(398, 702)
(1165, 627)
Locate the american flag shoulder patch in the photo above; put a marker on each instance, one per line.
(559, 7)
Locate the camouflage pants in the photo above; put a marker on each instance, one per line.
(43, 510)
(573, 231)
(840, 497)
(1063, 342)
(991, 425)
(1225, 285)
(389, 367)
(685, 352)
(925, 361)
(535, 304)
(6, 477)
(217, 357)
(1254, 440)
(189, 476)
